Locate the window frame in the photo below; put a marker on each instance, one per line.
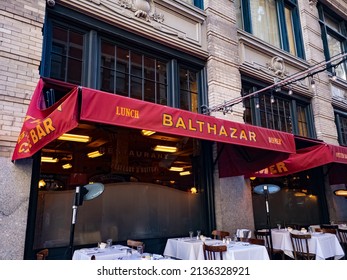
(326, 30)
(338, 115)
(254, 116)
(96, 31)
(281, 20)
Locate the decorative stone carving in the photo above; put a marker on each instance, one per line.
(142, 9)
(277, 66)
(312, 3)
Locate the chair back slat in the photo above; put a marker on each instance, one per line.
(212, 252)
(219, 234)
(300, 246)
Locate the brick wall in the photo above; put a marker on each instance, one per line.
(20, 55)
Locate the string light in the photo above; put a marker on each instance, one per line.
(227, 106)
(290, 91)
(272, 98)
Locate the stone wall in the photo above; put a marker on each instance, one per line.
(20, 56)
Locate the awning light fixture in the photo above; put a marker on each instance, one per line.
(341, 192)
(49, 159)
(167, 149)
(147, 132)
(95, 154)
(67, 166)
(75, 138)
(178, 169)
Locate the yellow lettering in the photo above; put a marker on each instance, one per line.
(167, 120)
(180, 123)
(281, 167)
(243, 135)
(33, 135)
(272, 169)
(201, 125)
(233, 131)
(252, 136)
(211, 128)
(40, 132)
(190, 124)
(48, 125)
(222, 131)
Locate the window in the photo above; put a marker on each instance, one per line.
(132, 74)
(188, 90)
(122, 68)
(67, 55)
(274, 21)
(341, 123)
(334, 38)
(276, 111)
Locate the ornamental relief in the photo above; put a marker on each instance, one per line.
(144, 9)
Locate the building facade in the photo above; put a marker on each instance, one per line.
(249, 62)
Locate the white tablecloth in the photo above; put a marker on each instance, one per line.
(192, 249)
(324, 245)
(113, 253)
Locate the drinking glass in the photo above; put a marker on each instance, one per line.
(140, 249)
(191, 234)
(109, 243)
(279, 226)
(198, 232)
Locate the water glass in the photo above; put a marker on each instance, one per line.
(279, 226)
(109, 243)
(140, 249)
(198, 233)
(129, 252)
(191, 234)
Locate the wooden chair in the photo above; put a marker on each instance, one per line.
(42, 255)
(342, 235)
(256, 241)
(301, 249)
(329, 230)
(219, 234)
(265, 235)
(328, 226)
(134, 243)
(212, 252)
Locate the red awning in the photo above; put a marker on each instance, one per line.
(102, 107)
(335, 157)
(42, 125)
(246, 147)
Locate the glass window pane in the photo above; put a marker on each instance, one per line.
(188, 90)
(335, 48)
(276, 115)
(122, 72)
(302, 121)
(67, 55)
(264, 21)
(343, 125)
(107, 67)
(333, 24)
(290, 30)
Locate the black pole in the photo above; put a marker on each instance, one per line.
(268, 221)
(73, 221)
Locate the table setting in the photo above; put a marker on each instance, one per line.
(190, 248)
(323, 245)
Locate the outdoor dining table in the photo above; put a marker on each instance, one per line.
(323, 245)
(191, 249)
(115, 252)
(111, 253)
